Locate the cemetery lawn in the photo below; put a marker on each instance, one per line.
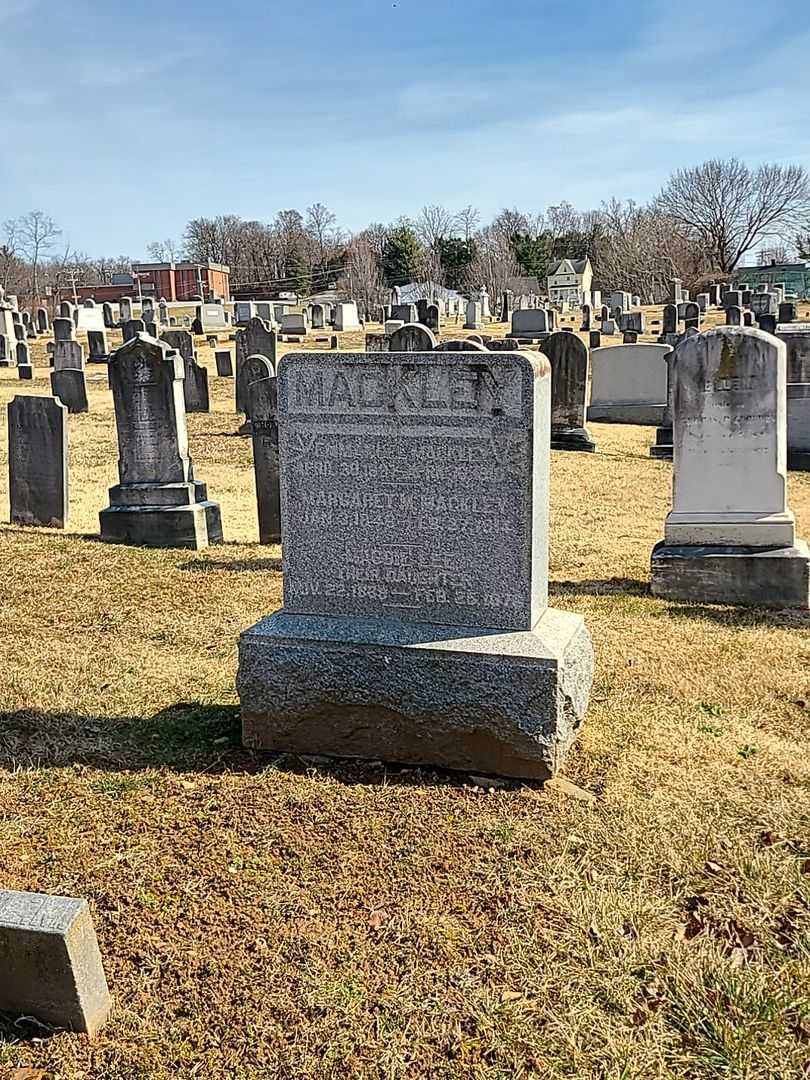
(265, 916)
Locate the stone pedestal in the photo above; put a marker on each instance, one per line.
(498, 702)
(575, 438)
(776, 577)
(161, 515)
(662, 449)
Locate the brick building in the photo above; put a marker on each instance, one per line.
(170, 281)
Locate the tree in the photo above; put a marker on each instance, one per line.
(8, 252)
(37, 233)
(163, 250)
(456, 257)
(320, 226)
(401, 255)
(467, 222)
(363, 280)
(730, 208)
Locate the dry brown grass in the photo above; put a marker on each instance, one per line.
(287, 918)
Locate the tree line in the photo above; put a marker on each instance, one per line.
(699, 227)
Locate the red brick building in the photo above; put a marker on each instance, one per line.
(170, 281)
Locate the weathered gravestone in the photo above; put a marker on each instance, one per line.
(38, 462)
(131, 328)
(628, 384)
(263, 404)
(585, 325)
(797, 342)
(461, 345)
(295, 324)
(798, 426)
(733, 316)
(22, 354)
(472, 318)
(157, 503)
(568, 357)
(594, 339)
(257, 339)
(763, 303)
(50, 961)
(316, 316)
(195, 383)
(415, 627)
(691, 315)
(405, 312)
(68, 384)
(43, 324)
(730, 537)
(224, 363)
(767, 323)
(412, 337)
(107, 316)
(530, 322)
(97, 347)
(431, 319)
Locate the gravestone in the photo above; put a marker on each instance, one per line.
(43, 324)
(68, 384)
(391, 325)
(662, 447)
(295, 323)
(472, 317)
(51, 963)
(632, 320)
(263, 406)
(68, 354)
(787, 312)
(346, 317)
(163, 312)
(732, 298)
(412, 338)
(461, 345)
(507, 305)
(37, 465)
(375, 342)
(691, 315)
(5, 352)
(530, 322)
(629, 337)
(585, 325)
(97, 347)
(252, 369)
(224, 362)
(676, 291)
(107, 316)
(609, 327)
(568, 357)
(798, 426)
(157, 502)
(730, 537)
(195, 383)
(767, 323)
(628, 384)
(405, 312)
(431, 320)
(257, 339)
(25, 371)
(316, 315)
(22, 354)
(764, 303)
(748, 318)
(124, 310)
(670, 319)
(65, 311)
(702, 300)
(733, 316)
(131, 329)
(594, 339)
(415, 626)
(797, 342)
(745, 296)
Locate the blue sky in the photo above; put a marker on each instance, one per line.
(123, 121)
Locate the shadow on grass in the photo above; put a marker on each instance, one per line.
(741, 617)
(187, 737)
(238, 566)
(600, 587)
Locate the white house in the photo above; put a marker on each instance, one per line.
(570, 280)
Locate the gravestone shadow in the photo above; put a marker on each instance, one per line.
(238, 566)
(600, 587)
(185, 738)
(741, 617)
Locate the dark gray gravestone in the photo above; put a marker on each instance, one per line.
(431, 319)
(569, 384)
(37, 464)
(107, 314)
(22, 354)
(767, 323)
(224, 362)
(133, 327)
(97, 347)
(733, 316)
(63, 329)
(42, 320)
(157, 503)
(585, 325)
(460, 345)
(670, 319)
(629, 337)
(415, 623)
(195, 384)
(5, 354)
(316, 316)
(50, 961)
(748, 318)
(253, 369)
(69, 386)
(595, 339)
(263, 403)
(257, 339)
(787, 312)
(413, 337)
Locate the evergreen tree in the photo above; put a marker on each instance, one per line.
(401, 256)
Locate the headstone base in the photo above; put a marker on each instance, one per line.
(663, 448)
(756, 577)
(161, 516)
(627, 413)
(797, 460)
(573, 438)
(495, 702)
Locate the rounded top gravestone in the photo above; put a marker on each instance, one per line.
(412, 337)
(460, 345)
